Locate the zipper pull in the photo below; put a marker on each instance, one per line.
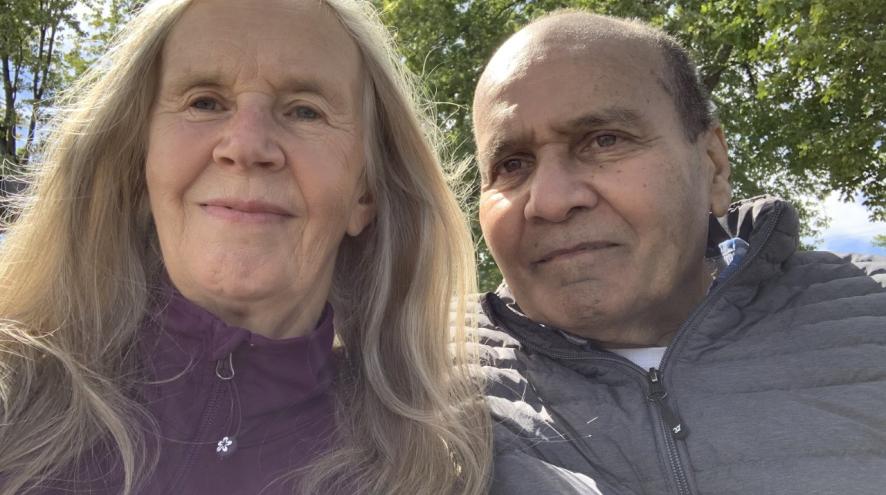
(657, 394)
(224, 368)
(226, 447)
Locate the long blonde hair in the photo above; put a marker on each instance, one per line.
(78, 265)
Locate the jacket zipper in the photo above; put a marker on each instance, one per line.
(206, 421)
(669, 423)
(672, 426)
(657, 396)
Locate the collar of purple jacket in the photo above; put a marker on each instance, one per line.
(281, 372)
(234, 409)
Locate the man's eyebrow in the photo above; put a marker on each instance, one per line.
(601, 118)
(496, 148)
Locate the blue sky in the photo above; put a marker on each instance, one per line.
(850, 230)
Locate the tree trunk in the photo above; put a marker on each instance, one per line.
(41, 74)
(712, 78)
(9, 120)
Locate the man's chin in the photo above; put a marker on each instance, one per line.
(572, 310)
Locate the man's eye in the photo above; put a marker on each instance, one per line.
(510, 171)
(510, 165)
(207, 104)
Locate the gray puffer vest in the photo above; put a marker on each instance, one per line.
(776, 384)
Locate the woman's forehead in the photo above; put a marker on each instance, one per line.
(289, 43)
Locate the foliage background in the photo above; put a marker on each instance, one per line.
(800, 85)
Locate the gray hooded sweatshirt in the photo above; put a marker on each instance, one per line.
(775, 384)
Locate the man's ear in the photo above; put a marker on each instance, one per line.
(362, 214)
(718, 159)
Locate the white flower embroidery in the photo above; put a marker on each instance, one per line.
(223, 445)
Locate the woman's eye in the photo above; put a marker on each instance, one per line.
(306, 113)
(605, 140)
(207, 104)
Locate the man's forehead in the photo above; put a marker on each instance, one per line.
(499, 119)
(539, 75)
(567, 84)
(578, 33)
(512, 59)
(528, 60)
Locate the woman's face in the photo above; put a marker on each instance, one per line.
(255, 158)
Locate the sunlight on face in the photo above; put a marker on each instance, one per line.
(594, 204)
(255, 159)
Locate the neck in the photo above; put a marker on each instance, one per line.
(657, 325)
(297, 322)
(639, 336)
(279, 318)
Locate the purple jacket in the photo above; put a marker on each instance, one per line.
(235, 410)
(247, 408)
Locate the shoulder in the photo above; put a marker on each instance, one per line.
(511, 397)
(839, 270)
(521, 419)
(497, 345)
(516, 472)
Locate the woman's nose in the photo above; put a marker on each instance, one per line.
(250, 139)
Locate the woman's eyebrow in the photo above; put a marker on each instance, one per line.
(325, 89)
(180, 81)
(183, 81)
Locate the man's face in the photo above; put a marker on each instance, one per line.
(594, 203)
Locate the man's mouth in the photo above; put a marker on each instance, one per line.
(581, 248)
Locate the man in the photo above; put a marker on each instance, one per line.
(650, 338)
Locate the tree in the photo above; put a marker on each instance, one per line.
(879, 240)
(104, 21)
(798, 83)
(30, 32)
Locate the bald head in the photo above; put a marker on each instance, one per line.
(572, 31)
(577, 34)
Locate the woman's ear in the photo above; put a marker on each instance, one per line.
(720, 192)
(362, 214)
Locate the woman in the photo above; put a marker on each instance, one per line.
(229, 168)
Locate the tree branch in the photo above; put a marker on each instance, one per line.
(712, 79)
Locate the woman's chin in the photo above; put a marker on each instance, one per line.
(251, 291)
(235, 289)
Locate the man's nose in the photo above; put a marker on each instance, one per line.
(559, 187)
(250, 139)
